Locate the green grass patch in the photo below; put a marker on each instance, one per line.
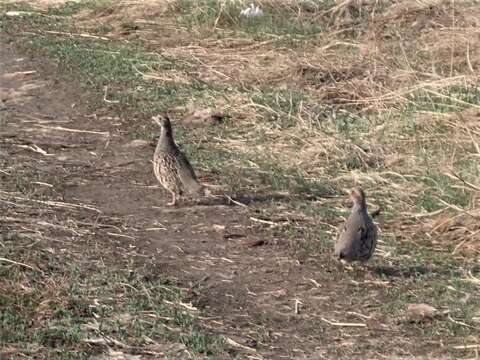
(276, 20)
(441, 186)
(93, 302)
(450, 99)
(291, 180)
(279, 107)
(70, 8)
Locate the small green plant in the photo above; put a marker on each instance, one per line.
(278, 107)
(454, 98)
(441, 191)
(70, 8)
(102, 29)
(72, 309)
(128, 25)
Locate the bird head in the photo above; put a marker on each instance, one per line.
(162, 120)
(357, 195)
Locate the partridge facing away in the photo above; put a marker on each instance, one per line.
(171, 167)
(357, 238)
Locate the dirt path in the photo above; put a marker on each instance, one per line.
(267, 301)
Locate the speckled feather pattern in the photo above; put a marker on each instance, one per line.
(172, 168)
(166, 170)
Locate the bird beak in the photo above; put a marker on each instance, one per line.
(346, 192)
(156, 119)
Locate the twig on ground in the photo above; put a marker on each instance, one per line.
(105, 89)
(235, 201)
(88, 36)
(297, 306)
(466, 347)
(470, 185)
(461, 323)
(54, 203)
(103, 133)
(268, 222)
(237, 345)
(359, 315)
(18, 263)
(334, 323)
(35, 148)
(121, 235)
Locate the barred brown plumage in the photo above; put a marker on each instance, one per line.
(171, 167)
(357, 238)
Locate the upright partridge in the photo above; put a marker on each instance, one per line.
(358, 236)
(171, 167)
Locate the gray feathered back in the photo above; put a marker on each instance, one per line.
(357, 238)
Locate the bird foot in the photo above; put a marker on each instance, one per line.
(349, 268)
(346, 266)
(172, 203)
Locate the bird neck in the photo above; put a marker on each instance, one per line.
(359, 206)
(166, 138)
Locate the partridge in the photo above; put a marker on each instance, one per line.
(358, 236)
(171, 167)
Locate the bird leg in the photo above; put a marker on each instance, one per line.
(363, 265)
(174, 199)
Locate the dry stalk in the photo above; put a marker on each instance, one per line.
(60, 128)
(83, 35)
(19, 263)
(342, 324)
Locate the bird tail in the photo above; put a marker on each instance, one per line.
(197, 189)
(339, 251)
(202, 191)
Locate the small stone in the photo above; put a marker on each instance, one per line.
(421, 312)
(137, 143)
